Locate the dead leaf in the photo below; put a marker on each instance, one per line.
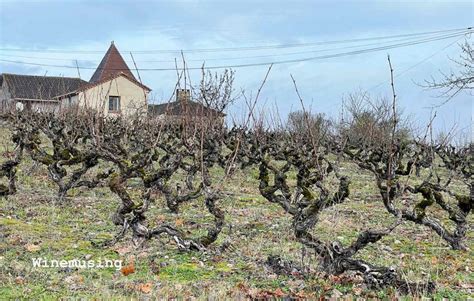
(335, 279)
(128, 269)
(467, 285)
(295, 274)
(145, 287)
(19, 280)
(74, 279)
(357, 290)
(160, 218)
(123, 250)
(300, 295)
(32, 247)
(243, 288)
(15, 240)
(278, 293)
(179, 222)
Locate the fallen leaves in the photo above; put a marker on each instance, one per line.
(278, 293)
(19, 280)
(468, 286)
(179, 222)
(123, 250)
(128, 269)
(357, 290)
(145, 287)
(346, 279)
(15, 240)
(74, 279)
(268, 294)
(32, 248)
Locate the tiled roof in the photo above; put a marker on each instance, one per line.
(111, 64)
(40, 87)
(182, 108)
(49, 87)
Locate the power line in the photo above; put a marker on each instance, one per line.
(417, 64)
(245, 48)
(226, 58)
(350, 53)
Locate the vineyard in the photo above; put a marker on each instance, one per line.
(200, 209)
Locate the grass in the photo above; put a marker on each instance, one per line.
(65, 230)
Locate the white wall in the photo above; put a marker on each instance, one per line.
(132, 97)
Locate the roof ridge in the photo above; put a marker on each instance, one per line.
(42, 76)
(111, 64)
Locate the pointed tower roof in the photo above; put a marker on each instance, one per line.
(111, 65)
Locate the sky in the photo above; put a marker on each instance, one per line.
(83, 31)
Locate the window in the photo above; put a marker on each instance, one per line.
(114, 103)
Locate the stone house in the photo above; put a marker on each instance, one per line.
(112, 90)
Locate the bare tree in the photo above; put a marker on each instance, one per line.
(370, 121)
(216, 90)
(454, 82)
(303, 123)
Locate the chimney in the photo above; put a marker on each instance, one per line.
(183, 95)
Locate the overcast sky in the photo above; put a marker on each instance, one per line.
(172, 25)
